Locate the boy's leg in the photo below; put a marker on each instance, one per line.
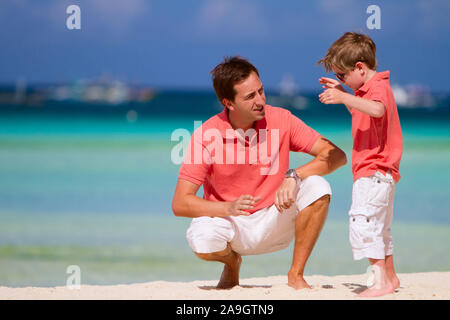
(308, 224)
(370, 221)
(390, 272)
(382, 285)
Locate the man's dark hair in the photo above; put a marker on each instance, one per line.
(229, 72)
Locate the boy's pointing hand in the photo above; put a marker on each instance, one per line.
(328, 82)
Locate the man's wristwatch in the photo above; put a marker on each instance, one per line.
(291, 173)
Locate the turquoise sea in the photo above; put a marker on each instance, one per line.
(87, 186)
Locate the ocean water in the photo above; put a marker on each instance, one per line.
(88, 186)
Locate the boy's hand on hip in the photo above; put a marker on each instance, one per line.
(244, 202)
(284, 197)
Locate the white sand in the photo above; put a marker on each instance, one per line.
(430, 285)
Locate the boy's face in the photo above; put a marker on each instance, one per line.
(351, 78)
(249, 100)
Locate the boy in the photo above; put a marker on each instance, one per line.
(377, 150)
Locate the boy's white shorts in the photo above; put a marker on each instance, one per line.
(371, 216)
(266, 230)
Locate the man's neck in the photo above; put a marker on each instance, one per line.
(236, 124)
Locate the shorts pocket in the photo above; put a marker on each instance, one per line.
(378, 193)
(362, 232)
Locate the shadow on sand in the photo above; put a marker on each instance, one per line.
(248, 286)
(356, 288)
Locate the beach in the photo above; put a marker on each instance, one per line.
(414, 286)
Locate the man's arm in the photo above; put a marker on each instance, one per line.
(185, 203)
(327, 158)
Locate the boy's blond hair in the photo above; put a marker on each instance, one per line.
(348, 50)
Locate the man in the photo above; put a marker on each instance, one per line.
(252, 203)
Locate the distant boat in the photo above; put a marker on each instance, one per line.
(289, 96)
(413, 96)
(103, 91)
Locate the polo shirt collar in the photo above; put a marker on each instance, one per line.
(226, 129)
(378, 76)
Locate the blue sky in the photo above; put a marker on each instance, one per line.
(166, 43)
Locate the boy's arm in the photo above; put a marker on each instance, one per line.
(335, 96)
(372, 108)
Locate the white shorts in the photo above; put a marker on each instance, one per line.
(371, 216)
(266, 230)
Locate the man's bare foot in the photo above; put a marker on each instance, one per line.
(230, 274)
(376, 292)
(297, 282)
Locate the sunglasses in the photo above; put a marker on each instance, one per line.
(340, 76)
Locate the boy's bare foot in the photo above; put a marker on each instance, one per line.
(376, 292)
(297, 282)
(395, 282)
(230, 274)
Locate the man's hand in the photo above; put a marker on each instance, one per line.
(284, 197)
(244, 202)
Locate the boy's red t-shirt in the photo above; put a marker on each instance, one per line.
(214, 161)
(377, 142)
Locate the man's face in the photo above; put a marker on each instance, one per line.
(249, 100)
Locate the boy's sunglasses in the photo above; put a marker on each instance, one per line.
(340, 76)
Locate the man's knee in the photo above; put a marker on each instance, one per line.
(317, 185)
(314, 191)
(320, 204)
(323, 201)
(208, 236)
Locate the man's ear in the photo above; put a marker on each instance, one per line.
(228, 104)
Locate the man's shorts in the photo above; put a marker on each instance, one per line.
(264, 231)
(371, 216)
